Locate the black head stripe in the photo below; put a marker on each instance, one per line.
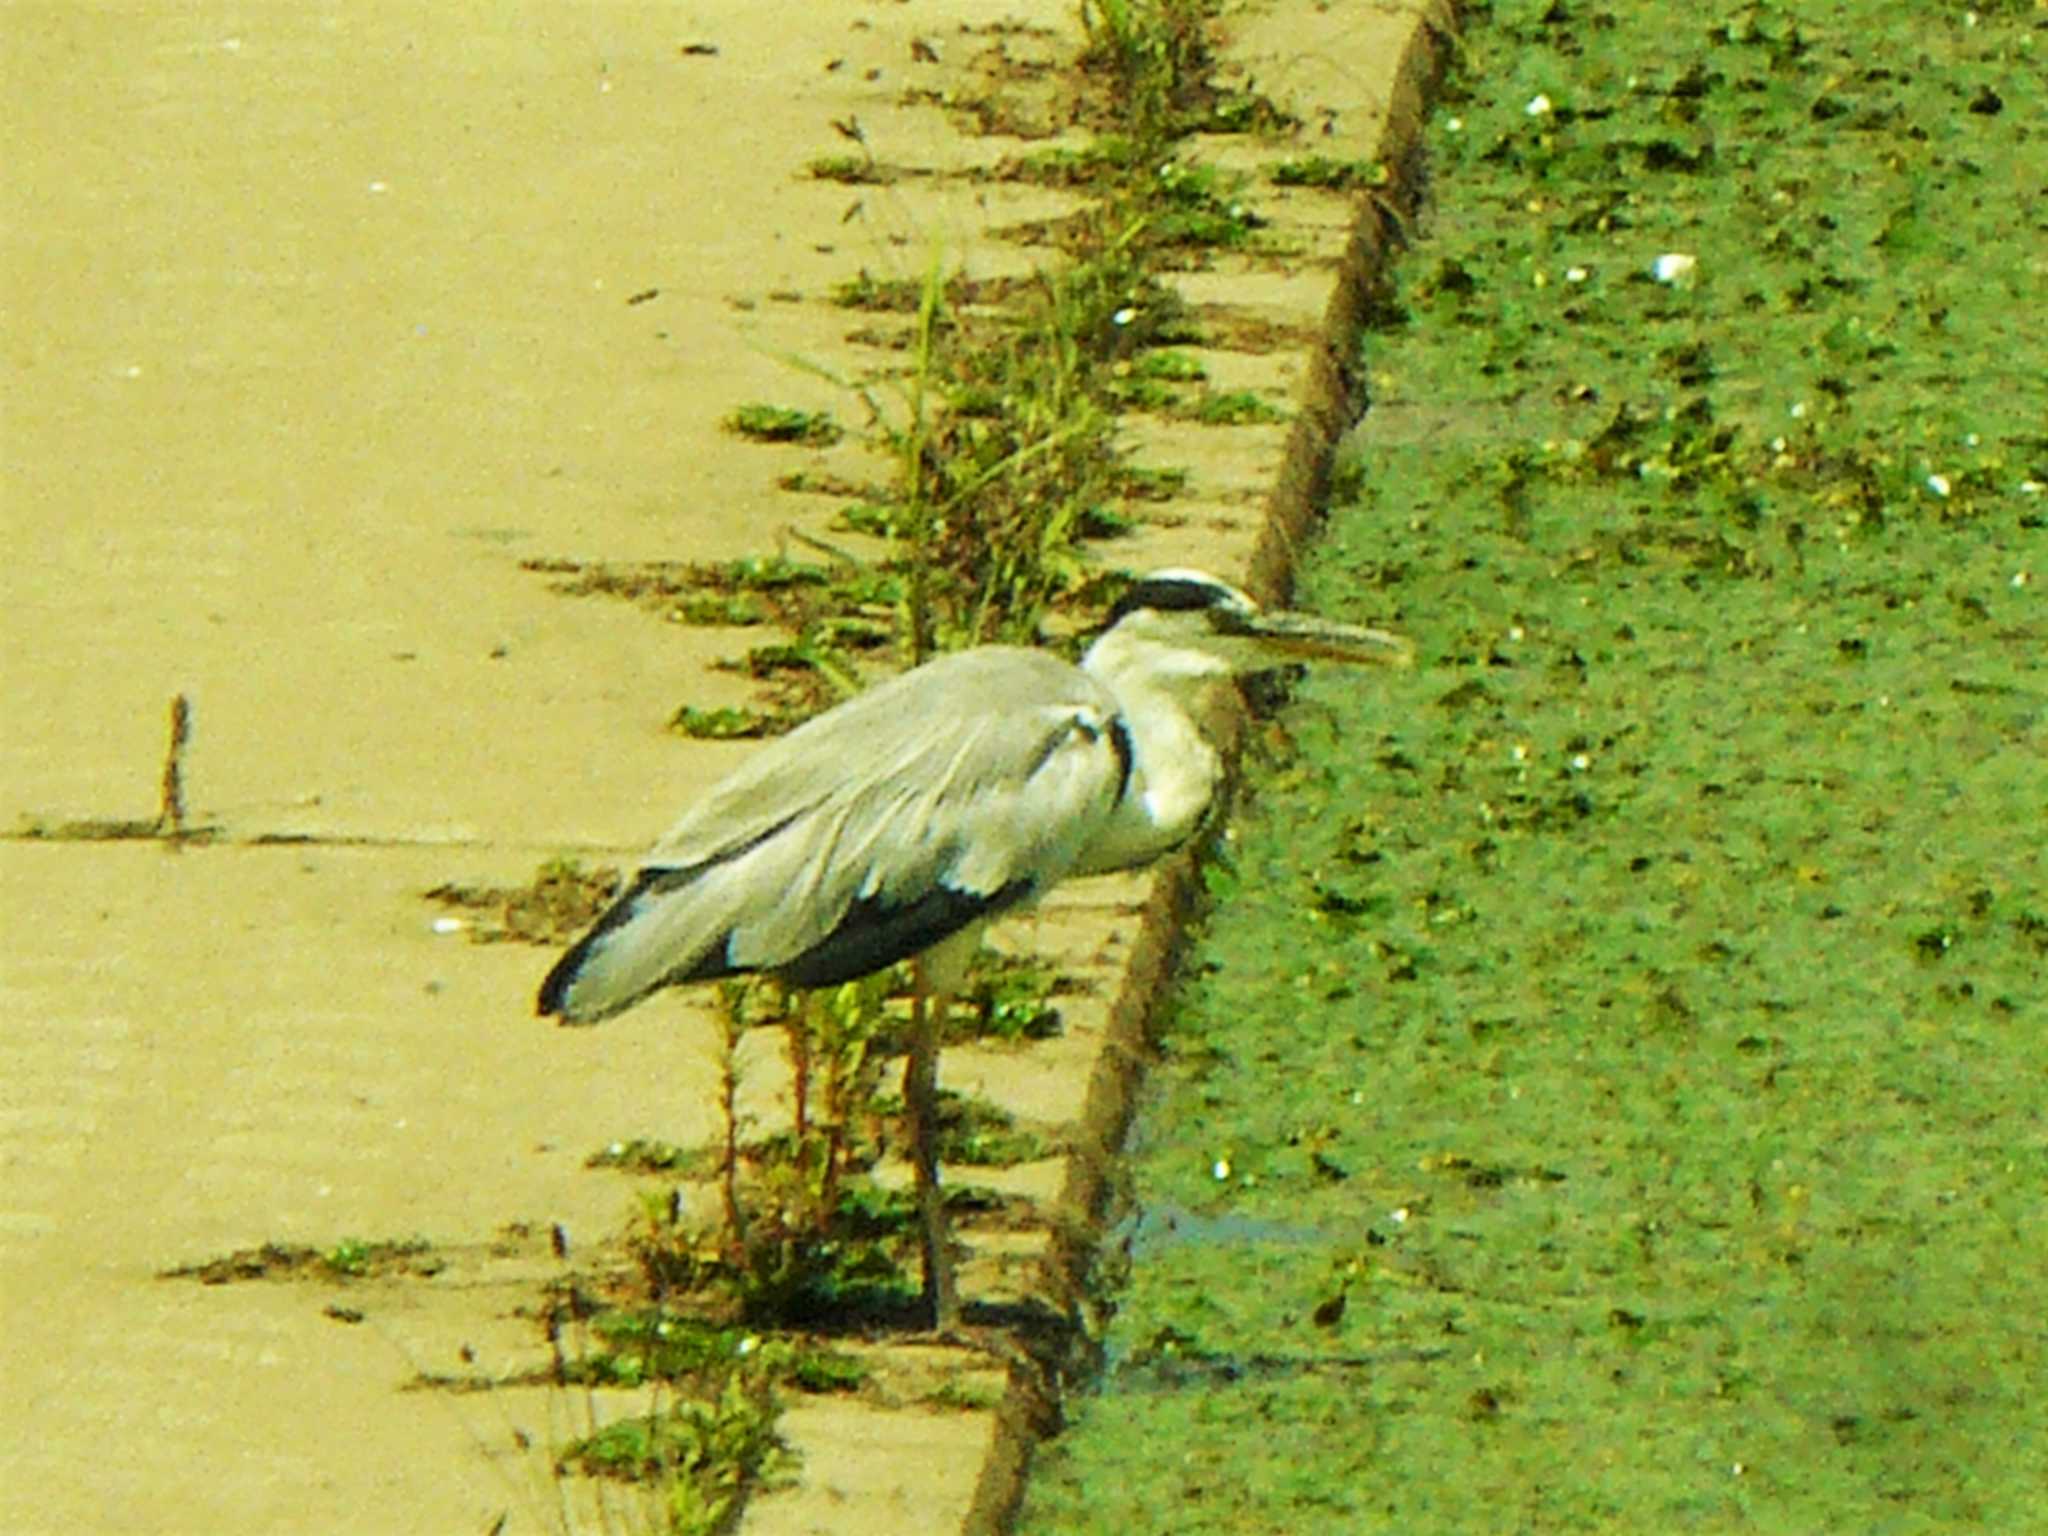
(1166, 594)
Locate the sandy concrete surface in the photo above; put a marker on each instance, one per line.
(317, 322)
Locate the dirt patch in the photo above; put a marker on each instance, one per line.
(346, 1260)
(552, 908)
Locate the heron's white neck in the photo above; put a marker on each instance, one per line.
(1174, 770)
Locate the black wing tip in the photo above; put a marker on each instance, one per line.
(552, 1001)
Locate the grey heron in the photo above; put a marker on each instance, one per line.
(895, 825)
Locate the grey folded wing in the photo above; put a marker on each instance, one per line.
(875, 831)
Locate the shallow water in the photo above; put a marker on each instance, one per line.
(1642, 998)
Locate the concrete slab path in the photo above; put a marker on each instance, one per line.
(317, 323)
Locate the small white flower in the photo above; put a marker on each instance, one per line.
(748, 1345)
(1539, 105)
(1220, 1169)
(1576, 274)
(1454, 125)
(1123, 316)
(1777, 445)
(1675, 268)
(2031, 487)
(449, 925)
(1938, 484)
(1398, 1216)
(1798, 410)
(1582, 761)
(2020, 579)
(1972, 439)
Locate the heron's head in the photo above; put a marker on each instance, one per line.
(1181, 626)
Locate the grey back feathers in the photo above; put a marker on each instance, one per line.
(941, 796)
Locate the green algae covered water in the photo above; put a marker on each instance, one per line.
(1610, 1093)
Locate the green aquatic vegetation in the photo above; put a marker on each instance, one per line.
(1605, 1096)
(1819, 177)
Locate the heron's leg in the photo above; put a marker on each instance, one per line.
(921, 1101)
